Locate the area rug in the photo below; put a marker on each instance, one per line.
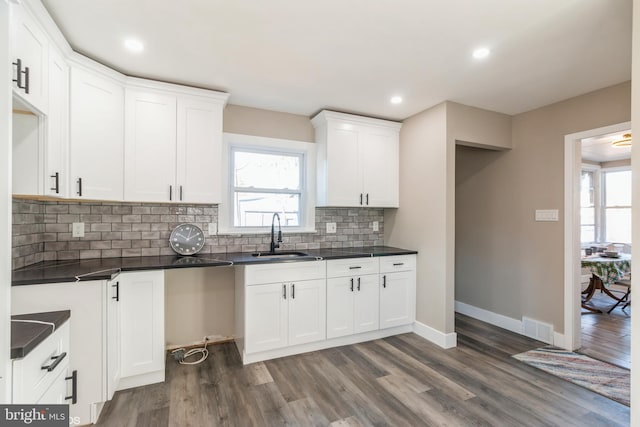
(608, 380)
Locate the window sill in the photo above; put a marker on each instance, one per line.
(265, 231)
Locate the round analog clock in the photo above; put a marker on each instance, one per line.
(187, 239)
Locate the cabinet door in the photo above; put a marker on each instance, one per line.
(266, 317)
(199, 151)
(56, 393)
(142, 332)
(29, 44)
(150, 147)
(379, 156)
(56, 146)
(340, 295)
(97, 139)
(366, 304)
(113, 337)
(397, 299)
(344, 177)
(307, 311)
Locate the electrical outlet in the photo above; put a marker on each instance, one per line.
(77, 229)
(213, 228)
(331, 227)
(375, 226)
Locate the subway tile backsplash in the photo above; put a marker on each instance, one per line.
(42, 230)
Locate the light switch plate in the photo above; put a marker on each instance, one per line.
(375, 226)
(213, 228)
(547, 215)
(77, 229)
(331, 227)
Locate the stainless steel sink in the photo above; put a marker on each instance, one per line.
(280, 255)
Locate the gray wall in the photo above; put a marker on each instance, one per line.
(271, 124)
(505, 261)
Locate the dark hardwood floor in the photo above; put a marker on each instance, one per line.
(397, 381)
(607, 337)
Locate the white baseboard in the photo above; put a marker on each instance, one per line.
(558, 341)
(509, 323)
(504, 322)
(140, 380)
(435, 336)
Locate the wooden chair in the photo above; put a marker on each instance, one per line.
(625, 297)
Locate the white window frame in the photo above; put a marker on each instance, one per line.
(603, 202)
(597, 183)
(307, 151)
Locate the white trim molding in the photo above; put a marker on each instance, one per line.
(499, 320)
(437, 337)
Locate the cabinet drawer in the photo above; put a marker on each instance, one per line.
(389, 264)
(30, 380)
(279, 272)
(352, 267)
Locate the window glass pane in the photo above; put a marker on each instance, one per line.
(264, 170)
(587, 189)
(256, 209)
(618, 223)
(618, 188)
(587, 216)
(587, 234)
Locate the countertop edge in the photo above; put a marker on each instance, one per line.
(37, 332)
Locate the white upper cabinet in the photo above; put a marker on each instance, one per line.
(29, 53)
(150, 147)
(199, 150)
(97, 137)
(357, 160)
(57, 142)
(172, 147)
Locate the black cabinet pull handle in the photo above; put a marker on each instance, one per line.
(293, 291)
(80, 187)
(181, 193)
(171, 192)
(56, 187)
(384, 281)
(358, 284)
(284, 291)
(355, 267)
(74, 387)
(396, 264)
(117, 286)
(367, 199)
(57, 359)
(352, 284)
(26, 80)
(18, 78)
(360, 198)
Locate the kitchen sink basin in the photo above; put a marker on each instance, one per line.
(280, 255)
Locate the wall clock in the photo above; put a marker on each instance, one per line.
(187, 239)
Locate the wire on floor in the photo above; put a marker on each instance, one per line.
(181, 354)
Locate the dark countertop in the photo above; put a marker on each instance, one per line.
(107, 268)
(26, 336)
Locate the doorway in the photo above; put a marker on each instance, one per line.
(576, 231)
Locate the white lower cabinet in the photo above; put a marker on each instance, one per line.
(397, 291)
(280, 305)
(115, 334)
(352, 305)
(281, 314)
(40, 375)
(142, 328)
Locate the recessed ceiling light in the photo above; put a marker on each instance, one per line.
(134, 45)
(481, 52)
(396, 99)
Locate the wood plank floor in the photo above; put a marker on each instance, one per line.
(397, 381)
(607, 337)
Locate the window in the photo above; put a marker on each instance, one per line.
(588, 206)
(617, 206)
(605, 205)
(265, 176)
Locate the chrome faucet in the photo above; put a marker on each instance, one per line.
(275, 245)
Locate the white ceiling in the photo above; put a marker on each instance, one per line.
(353, 55)
(599, 149)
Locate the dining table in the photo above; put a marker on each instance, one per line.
(605, 271)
